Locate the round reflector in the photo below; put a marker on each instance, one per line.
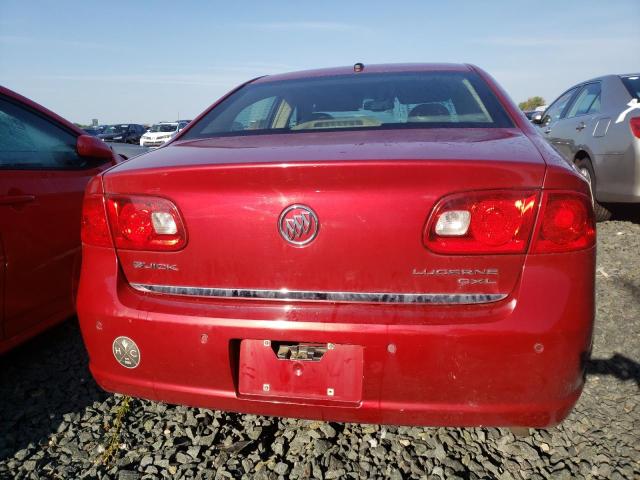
(495, 222)
(135, 224)
(565, 220)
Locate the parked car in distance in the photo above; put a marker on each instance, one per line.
(596, 126)
(161, 133)
(45, 164)
(122, 133)
(346, 244)
(94, 131)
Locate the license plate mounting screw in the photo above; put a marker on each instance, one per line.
(266, 387)
(266, 343)
(330, 392)
(330, 346)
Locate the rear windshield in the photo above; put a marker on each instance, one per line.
(633, 85)
(356, 102)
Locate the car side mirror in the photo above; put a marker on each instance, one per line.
(537, 118)
(92, 147)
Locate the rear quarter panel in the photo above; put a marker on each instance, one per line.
(615, 154)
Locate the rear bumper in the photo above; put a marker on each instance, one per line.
(518, 362)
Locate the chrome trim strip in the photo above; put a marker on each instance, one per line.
(299, 295)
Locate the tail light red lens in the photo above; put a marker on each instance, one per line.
(634, 124)
(145, 223)
(94, 228)
(499, 222)
(566, 223)
(134, 223)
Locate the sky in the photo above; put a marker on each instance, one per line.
(149, 61)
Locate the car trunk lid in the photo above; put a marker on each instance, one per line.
(372, 194)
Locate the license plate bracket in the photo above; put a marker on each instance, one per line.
(335, 377)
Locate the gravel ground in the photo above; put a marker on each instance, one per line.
(56, 423)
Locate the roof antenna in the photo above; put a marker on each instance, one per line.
(358, 67)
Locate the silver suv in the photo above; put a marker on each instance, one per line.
(596, 126)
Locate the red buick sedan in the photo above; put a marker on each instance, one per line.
(45, 164)
(383, 244)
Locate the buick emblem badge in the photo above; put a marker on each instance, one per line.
(298, 225)
(126, 352)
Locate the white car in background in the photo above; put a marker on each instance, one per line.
(160, 133)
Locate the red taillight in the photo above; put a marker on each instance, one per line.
(94, 229)
(566, 223)
(482, 222)
(497, 222)
(634, 123)
(145, 223)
